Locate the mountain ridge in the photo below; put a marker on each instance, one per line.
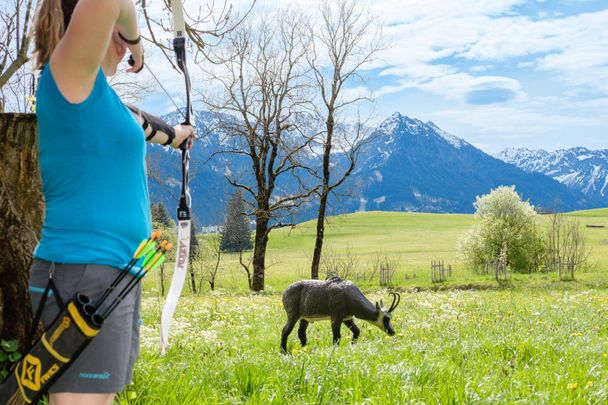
(579, 168)
(405, 165)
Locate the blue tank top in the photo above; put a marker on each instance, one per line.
(92, 162)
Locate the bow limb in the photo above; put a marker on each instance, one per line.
(183, 211)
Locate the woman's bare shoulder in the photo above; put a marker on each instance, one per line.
(76, 60)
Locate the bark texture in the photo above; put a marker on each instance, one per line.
(21, 212)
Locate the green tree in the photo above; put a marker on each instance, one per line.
(236, 231)
(161, 217)
(507, 226)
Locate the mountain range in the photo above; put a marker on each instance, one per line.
(404, 165)
(578, 168)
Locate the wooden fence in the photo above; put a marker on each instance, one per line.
(386, 276)
(439, 271)
(565, 270)
(499, 268)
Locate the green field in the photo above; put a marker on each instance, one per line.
(412, 239)
(535, 340)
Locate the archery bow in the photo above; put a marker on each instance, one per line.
(183, 211)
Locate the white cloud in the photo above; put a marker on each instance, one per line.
(446, 48)
(575, 48)
(540, 124)
(481, 68)
(457, 86)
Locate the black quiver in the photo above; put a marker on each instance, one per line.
(50, 356)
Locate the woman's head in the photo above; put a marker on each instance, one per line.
(51, 22)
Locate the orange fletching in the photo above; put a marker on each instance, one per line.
(153, 261)
(141, 247)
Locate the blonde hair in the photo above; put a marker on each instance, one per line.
(49, 26)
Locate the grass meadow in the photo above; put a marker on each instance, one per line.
(535, 340)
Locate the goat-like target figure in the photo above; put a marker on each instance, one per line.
(336, 300)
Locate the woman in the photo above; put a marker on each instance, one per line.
(92, 161)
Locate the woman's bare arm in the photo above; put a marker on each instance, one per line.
(77, 58)
(158, 131)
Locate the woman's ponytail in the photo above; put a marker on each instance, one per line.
(51, 21)
(48, 30)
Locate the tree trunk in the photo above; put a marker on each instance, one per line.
(316, 256)
(259, 253)
(21, 211)
(192, 281)
(161, 273)
(325, 190)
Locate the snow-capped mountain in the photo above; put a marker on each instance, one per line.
(578, 168)
(410, 165)
(405, 165)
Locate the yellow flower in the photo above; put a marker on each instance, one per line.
(605, 354)
(572, 386)
(589, 384)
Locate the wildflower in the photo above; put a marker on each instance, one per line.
(605, 355)
(572, 386)
(589, 384)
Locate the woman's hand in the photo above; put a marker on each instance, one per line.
(183, 133)
(136, 59)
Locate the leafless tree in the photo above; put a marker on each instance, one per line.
(131, 91)
(263, 86)
(382, 262)
(566, 246)
(211, 257)
(340, 265)
(344, 41)
(161, 279)
(15, 38)
(206, 26)
(246, 265)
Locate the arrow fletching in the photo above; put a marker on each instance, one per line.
(146, 244)
(154, 261)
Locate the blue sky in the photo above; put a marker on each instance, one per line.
(497, 73)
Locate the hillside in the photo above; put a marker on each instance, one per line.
(413, 239)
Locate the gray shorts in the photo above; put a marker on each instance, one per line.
(106, 364)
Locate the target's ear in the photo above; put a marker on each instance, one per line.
(381, 304)
(377, 306)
